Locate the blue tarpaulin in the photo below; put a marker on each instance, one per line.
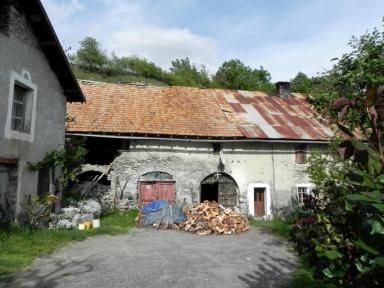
(155, 206)
(161, 211)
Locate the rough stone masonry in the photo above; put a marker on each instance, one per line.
(189, 163)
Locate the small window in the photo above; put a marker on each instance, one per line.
(302, 193)
(301, 154)
(22, 109)
(21, 116)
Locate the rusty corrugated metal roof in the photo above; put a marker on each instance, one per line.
(186, 111)
(260, 115)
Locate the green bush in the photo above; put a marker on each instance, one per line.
(38, 209)
(341, 230)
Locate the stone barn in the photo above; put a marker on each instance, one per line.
(245, 150)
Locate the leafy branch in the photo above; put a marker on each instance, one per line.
(68, 159)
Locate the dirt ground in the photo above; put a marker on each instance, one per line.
(164, 258)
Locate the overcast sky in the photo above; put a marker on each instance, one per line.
(282, 36)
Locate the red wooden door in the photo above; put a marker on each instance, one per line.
(147, 192)
(259, 202)
(150, 191)
(166, 190)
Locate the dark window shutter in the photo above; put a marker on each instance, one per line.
(301, 154)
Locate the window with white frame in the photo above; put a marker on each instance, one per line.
(21, 107)
(303, 191)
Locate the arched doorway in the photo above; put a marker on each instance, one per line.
(219, 187)
(90, 176)
(91, 183)
(156, 186)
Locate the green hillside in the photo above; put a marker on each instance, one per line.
(126, 78)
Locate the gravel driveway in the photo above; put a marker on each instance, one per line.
(164, 258)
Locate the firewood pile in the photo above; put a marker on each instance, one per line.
(203, 219)
(211, 218)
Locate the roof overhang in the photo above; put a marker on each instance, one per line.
(51, 47)
(196, 139)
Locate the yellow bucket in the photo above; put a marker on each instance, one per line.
(88, 225)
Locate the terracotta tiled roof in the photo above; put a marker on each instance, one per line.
(119, 108)
(186, 111)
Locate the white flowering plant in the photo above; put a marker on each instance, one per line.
(64, 224)
(90, 207)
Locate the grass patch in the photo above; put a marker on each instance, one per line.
(304, 275)
(278, 226)
(18, 246)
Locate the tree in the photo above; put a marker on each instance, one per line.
(350, 77)
(89, 56)
(185, 73)
(301, 83)
(136, 66)
(342, 232)
(233, 74)
(91, 62)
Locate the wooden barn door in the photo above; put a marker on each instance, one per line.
(259, 195)
(167, 191)
(147, 192)
(150, 191)
(227, 194)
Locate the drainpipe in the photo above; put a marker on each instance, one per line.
(273, 175)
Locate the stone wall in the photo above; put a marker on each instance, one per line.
(19, 28)
(4, 17)
(190, 162)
